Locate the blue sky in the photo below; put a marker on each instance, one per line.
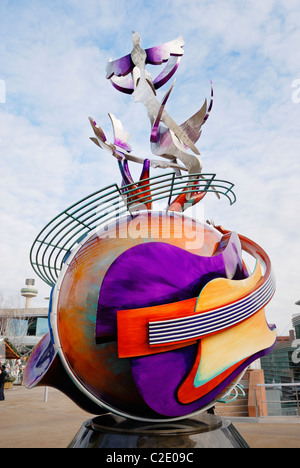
(52, 61)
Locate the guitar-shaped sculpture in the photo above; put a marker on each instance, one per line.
(153, 315)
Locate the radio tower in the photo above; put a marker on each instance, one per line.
(29, 292)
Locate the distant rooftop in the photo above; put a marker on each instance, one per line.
(31, 312)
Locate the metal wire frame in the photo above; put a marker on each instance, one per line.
(55, 242)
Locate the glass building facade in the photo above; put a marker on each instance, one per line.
(282, 366)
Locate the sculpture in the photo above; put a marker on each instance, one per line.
(153, 316)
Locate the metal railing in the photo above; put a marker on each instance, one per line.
(55, 242)
(284, 401)
(282, 406)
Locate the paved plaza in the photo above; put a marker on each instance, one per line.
(27, 421)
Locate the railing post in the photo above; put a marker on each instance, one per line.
(255, 402)
(297, 398)
(171, 191)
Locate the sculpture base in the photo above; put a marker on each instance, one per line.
(204, 431)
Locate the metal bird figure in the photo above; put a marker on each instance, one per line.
(120, 148)
(119, 71)
(143, 85)
(168, 139)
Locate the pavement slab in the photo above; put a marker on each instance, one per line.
(28, 421)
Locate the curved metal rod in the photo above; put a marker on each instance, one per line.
(60, 235)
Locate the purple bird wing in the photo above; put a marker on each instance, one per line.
(155, 134)
(169, 52)
(210, 104)
(119, 67)
(159, 54)
(120, 136)
(168, 72)
(123, 83)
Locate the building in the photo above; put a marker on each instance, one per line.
(296, 324)
(267, 384)
(278, 366)
(24, 327)
(282, 366)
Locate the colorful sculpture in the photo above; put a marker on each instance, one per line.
(153, 315)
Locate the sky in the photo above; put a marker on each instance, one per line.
(52, 78)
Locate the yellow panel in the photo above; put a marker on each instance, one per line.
(223, 350)
(222, 291)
